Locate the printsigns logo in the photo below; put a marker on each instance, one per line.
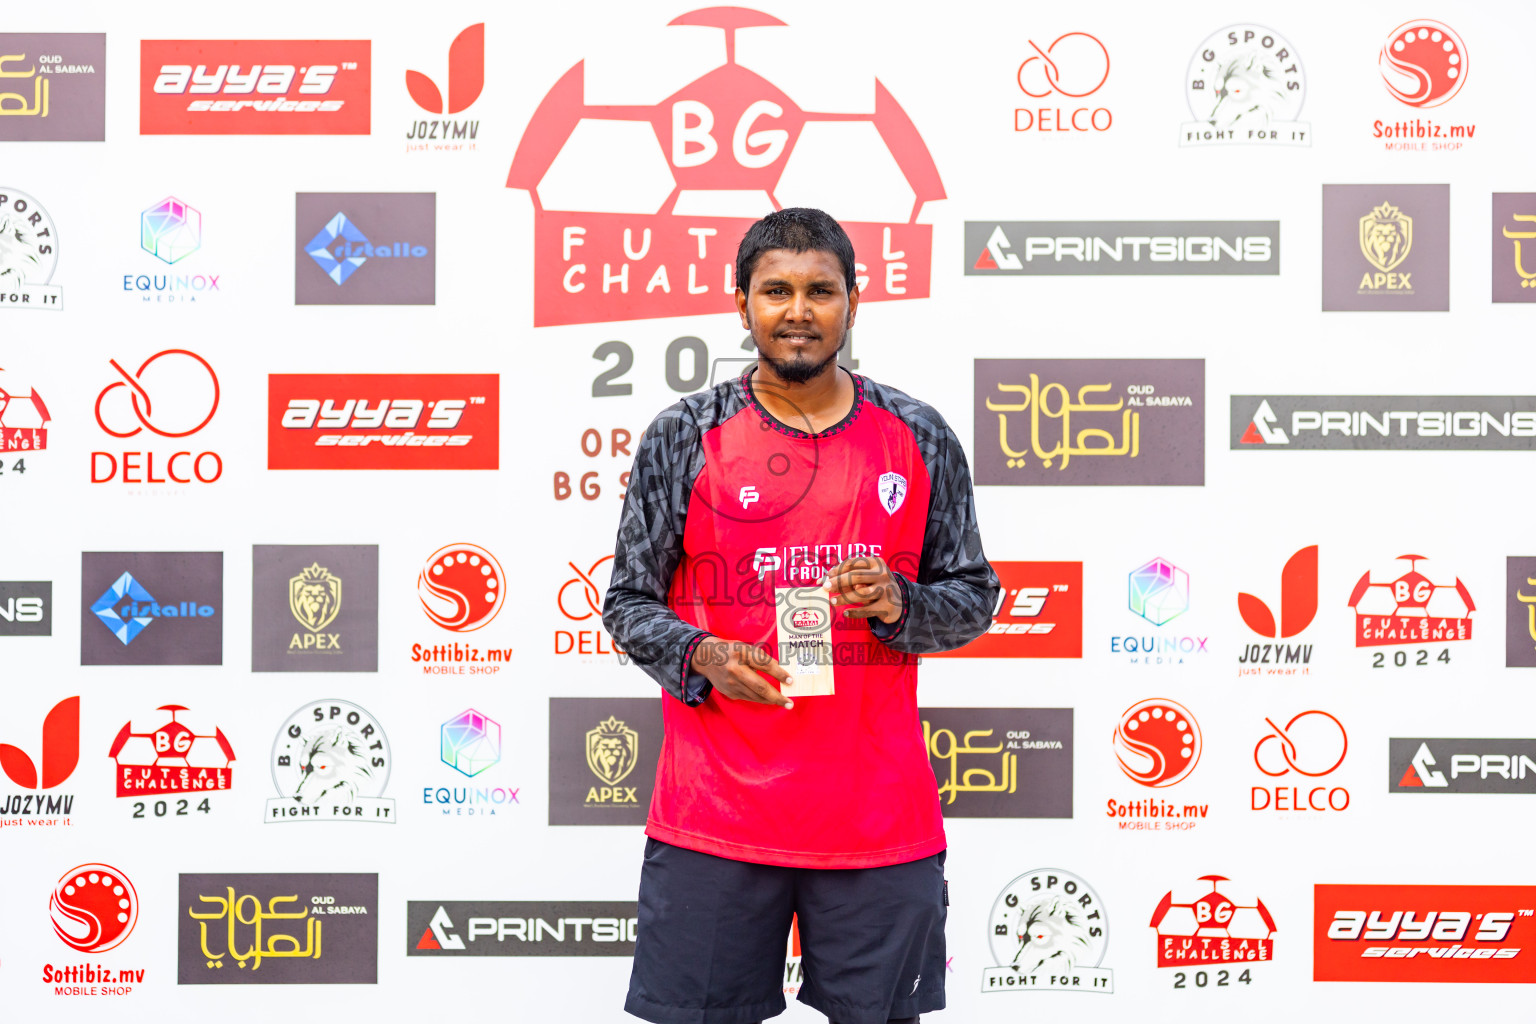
(466, 77)
(331, 762)
(1377, 423)
(1245, 85)
(1090, 421)
(1514, 223)
(1466, 766)
(26, 608)
(254, 87)
(24, 420)
(602, 763)
(1157, 742)
(700, 167)
(55, 86)
(315, 608)
(277, 929)
(1311, 745)
(1410, 609)
(1093, 248)
(1386, 247)
(29, 254)
(1213, 930)
(1520, 612)
(1039, 613)
(171, 758)
(393, 234)
(980, 756)
(94, 908)
(499, 928)
(383, 420)
(1074, 65)
(1048, 930)
(1472, 934)
(118, 591)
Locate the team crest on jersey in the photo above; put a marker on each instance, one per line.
(893, 491)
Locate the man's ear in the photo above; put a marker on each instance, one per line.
(741, 307)
(853, 304)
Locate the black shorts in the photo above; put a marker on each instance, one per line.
(713, 934)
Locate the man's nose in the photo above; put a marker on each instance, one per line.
(800, 309)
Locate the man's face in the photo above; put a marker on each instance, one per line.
(798, 309)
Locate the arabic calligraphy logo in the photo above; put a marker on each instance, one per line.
(1035, 401)
(1423, 63)
(591, 592)
(1527, 277)
(613, 750)
(170, 230)
(1530, 606)
(1086, 58)
(171, 759)
(1159, 591)
(960, 782)
(29, 244)
(314, 597)
(1157, 742)
(1298, 599)
(236, 910)
(461, 587)
(59, 753)
(94, 908)
(41, 86)
(1312, 743)
(1212, 929)
(1386, 236)
(184, 385)
(470, 742)
(466, 75)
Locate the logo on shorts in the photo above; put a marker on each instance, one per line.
(1048, 930)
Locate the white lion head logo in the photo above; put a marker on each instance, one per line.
(334, 765)
(19, 256)
(1050, 931)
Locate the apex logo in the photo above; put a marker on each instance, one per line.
(60, 750)
(1298, 599)
(1263, 428)
(466, 77)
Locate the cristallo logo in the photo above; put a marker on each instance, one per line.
(697, 169)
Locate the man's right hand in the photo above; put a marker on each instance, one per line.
(734, 668)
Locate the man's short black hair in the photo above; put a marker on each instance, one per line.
(798, 229)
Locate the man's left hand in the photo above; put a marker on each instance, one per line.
(865, 588)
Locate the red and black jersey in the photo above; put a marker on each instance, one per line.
(725, 504)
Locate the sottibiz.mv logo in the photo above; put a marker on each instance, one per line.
(681, 180)
(1039, 613)
(1442, 933)
(383, 420)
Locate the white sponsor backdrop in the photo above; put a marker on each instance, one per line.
(952, 70)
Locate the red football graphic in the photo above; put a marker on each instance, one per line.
(94, 907)
(461, 587)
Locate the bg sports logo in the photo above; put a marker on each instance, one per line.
(699, 167)
(1446, 933)
(254, 87)
(383, 421)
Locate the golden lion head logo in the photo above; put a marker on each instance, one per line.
(613, 749)
(1386, 235)
(314, 597)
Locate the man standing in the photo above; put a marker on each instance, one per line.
(796, 475)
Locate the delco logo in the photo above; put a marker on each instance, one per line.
(254, 87)
(383, 421)
(694, 171)
(1435, 933)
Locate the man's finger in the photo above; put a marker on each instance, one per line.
(760, 690)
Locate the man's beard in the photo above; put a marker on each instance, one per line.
(797, 369)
